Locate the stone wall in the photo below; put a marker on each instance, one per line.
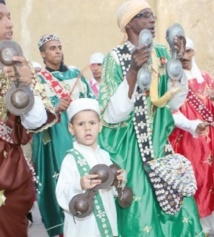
(87, 26)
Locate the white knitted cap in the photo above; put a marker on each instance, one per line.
(81, 104)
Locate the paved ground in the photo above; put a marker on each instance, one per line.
(37, 228)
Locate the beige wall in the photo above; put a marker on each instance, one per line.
(87, 26)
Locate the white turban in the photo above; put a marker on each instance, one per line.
(189, 43)
(97, 58)
(128, 10)
(195, 71)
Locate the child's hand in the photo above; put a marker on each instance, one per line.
(121, 177)
(89, 181)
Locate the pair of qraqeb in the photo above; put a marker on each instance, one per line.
(173, 67)
(81, 205)
(19, 98)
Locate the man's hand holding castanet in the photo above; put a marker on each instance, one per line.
(21, 71)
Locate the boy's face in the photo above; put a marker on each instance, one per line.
(86, 126)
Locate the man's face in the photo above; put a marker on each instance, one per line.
(52, 54)
(145, 19)
(96, 69)
(186, 60)
(6, 26)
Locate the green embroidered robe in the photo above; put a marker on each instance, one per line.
(144, 218)
(49, 149)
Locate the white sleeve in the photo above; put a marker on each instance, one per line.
(185, 124)
(36, 117)
(179, 98)
(68, 184)
(119, 106)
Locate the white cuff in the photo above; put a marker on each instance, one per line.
(185, 124)
(36, 117)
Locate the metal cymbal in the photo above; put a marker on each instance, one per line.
(104, 173)
(173, 31)
(114, 169)
(80, 205)
(144, 78)
(145, 38)
(174, 69)
(125, 197)
(19, 100)
(9, 49)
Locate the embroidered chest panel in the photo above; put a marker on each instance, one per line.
(4, 86)
(124, 55)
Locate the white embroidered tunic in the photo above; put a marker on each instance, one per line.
(69, 185)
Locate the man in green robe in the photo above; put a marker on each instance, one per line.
(119, 96)
(63, 85)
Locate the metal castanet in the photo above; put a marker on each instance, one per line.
(144, 75)
(82, 205)
(105, 174)
(174, 67)
(125, 194)
(19, 99)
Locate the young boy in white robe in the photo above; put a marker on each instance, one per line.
(85, 125)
